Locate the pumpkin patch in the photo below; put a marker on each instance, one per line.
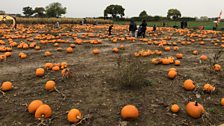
(114, 80)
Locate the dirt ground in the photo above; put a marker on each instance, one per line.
(90, 87)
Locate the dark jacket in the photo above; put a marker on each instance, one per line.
(144, 26)
(132, 26)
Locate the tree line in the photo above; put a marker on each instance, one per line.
(52, 10)
(114, 12)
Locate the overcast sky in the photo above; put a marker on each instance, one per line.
(94, 8)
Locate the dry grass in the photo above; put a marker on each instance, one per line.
(60, 20)
(130, 73)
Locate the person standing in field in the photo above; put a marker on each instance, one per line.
(132, 28)
(154, 28)
(110, 29)
(143, 28)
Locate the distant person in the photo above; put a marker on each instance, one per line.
(84, 21)
(132, 28)
(143, 27)
(110, 29)
(164, 24)
(57, 25)
(185, 24)
(154, 28)
(182, 24)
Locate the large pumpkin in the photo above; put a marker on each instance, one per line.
(194, 109)
(129, 112)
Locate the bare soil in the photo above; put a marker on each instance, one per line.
(90, 87)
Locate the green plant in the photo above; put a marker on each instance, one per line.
(130, 73)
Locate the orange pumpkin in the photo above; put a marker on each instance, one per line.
(208, 88)
(122, 47)
(32, 107)
(8, 54)
(165, 61)
(50, 85)
(189, 85)
(203, 57)
(56, 68)
(48, 65)
(195, 52)
(96, 51)
(175, 108)
(47, 53)
(74, 116)
(129, 112)
(115, 50)
(175, 48)
(217, 67)
(172, 74)
(177, 63)
(69, 50)
(6, 86)
(43, 110)
(179, 55)
(167, 48)
(39, 72)
(194, 109)
(222, 102)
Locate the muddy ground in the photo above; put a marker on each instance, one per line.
(93, 89)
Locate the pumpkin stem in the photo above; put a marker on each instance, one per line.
(196, 103)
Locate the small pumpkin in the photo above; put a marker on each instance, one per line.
(175, 108)
(6, 86)
(175, 48)
(69, 50)
(43, 110)
(122, 47)
(48, 66)
(217, 67)
(39, 72)
(165, 61)
(115, 50)
(96, 51)
(177, 63)
(167, 48)
(195, 52)
(172, 74)
(74, 116)
(179, 55)
(189, 85)
(222, 102)
(8, 54)
(194, 109)
(208, 88)
(32, 107)
(203, 57)
(129, 112)
(72, 45)
(47, 53)
(56, 68)
(50, 85)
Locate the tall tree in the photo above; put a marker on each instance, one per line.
(173, 14)
(143, 14)
(39, 12)
(55, 10)
(28, 11)
(114, 10)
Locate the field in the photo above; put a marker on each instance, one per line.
(122, 70)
